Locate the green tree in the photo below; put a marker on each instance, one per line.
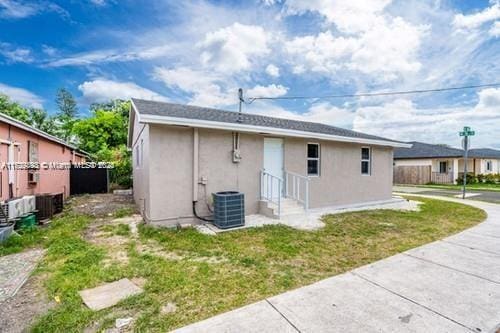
(40, 119)
(66, 104)
(14, 110)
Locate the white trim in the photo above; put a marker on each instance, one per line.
(369, 160)
(16, 123)
(154, 119)
(313, 159)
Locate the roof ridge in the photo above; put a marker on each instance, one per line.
(267, 117)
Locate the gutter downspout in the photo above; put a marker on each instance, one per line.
(196, 141)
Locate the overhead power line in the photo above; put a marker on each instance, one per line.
(250, 100)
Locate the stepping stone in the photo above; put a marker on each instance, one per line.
(109, 294)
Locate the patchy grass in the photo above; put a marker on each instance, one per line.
(206, 275)
(122, 212)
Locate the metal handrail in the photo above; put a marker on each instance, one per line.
(296, 181)
(267, 182)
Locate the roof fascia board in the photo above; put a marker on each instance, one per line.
(146, 118)
(33, 130)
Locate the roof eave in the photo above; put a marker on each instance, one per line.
(153, 119)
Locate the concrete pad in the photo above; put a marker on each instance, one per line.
(467, 195)
(15, 270)
(475, 262)
(466, 299)
(109, 294)
(348, 303)
(257, 317)
(475, 241)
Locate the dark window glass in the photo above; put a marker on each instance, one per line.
(443, 167)
(312, 167)
(312, 151)
(365, 153)
(365, 167)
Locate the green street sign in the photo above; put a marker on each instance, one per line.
(467, 132)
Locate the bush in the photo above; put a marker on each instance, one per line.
(471, 179)
(491, 178)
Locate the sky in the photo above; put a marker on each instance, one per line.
(201, 52)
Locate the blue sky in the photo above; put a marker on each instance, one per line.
(200, 52)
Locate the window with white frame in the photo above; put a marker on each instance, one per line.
(313, 159)
(443, 167)
(366, 159)
(489, 166)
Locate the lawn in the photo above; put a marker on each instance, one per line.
(205, 275)
(482, 187)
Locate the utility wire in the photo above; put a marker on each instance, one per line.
(250, 100)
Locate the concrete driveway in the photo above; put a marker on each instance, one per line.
(488, 196)
(452, 285)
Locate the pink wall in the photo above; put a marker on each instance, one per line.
(51, 181)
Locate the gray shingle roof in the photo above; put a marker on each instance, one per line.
(202, 113)
(484, 153)
(425, 150)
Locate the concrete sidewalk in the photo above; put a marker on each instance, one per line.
(452, 285)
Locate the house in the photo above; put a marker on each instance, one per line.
(430, 163)
(21, 145)
(181, 154)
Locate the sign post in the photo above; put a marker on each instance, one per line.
(466, 133)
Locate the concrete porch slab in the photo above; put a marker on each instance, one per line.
(109, 294)
(312, 220)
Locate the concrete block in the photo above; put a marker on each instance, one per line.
(109, 294)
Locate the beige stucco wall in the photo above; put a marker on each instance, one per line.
(168, 193)
(340, 181)
(140, 172)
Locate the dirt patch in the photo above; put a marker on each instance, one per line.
(102, 205)
(154, 249)
(19, 312)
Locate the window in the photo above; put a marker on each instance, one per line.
(489, 166)
(443, 167)
(313, 159)
(366, 161)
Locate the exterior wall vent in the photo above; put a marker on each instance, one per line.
(229, 209)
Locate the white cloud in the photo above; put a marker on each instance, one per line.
(271, 90)
(105, 56)
(15, 54)
(495, 29)
(477, 19)
(324, 113)
(49, 50)
(103, 90)
(402, 119)
(22, 96)
(273, 70)
(233, 48)
(16, 10)
(351, 16)
(206, 88)
(387, 50)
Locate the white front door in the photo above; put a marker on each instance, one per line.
(273, 164)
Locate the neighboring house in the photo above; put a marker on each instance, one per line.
(181, 154)
(427, 163)
(21, 144)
